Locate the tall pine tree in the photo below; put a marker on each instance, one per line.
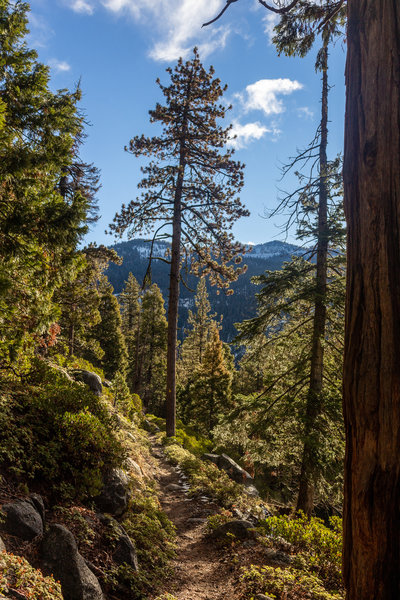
(192, 187)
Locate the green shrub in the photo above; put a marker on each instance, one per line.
(154, 535)
(16, 573)
(206, 478)
(74, 519)
(320, 546)
(185, 436)
(57, 430)
(285, 584)
(126, 403)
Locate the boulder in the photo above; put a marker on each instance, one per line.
(277, 557)
(92, 380)
(22, 520)
(134, 467)
(115, 494)
(214, 458)
(60, 557)
(173, 487)
(150, 427)
(234, 470)
(2, 546)
(262, 597)
(251, 490)
(125, 552)
(239, 528)
(37, 502)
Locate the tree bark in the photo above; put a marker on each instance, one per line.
(173, 302)
(372, 341)
(305, 501)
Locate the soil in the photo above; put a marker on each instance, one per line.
(203, 569)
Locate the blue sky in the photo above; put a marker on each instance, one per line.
(117, 49)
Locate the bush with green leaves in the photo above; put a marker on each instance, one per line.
(154, 536)
(130, 405)
(318, 547)
(185, 436)
(206, 478)
(17, 574)
(58, 431)
(285, 584)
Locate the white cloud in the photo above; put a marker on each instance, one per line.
(175, 26)
(59, 65)
(305, 112)
(242, 135)
(270, 20)
(263, 95)
(40, 31)
(82, 6)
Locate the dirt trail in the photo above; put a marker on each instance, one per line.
(201, 569)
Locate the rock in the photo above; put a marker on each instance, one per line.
(251, 490)
(2, 546)
(22, 520)
(150, 427)
(214, 458)
(262, 597)
(173, 487)
(125, 552)
(61, 558)
(92, 380)
(134, 467)
(37, 502)
(239, 528)
(107, 383)
(234, 470)
(196, 520)
(115, 494)
(278, 557)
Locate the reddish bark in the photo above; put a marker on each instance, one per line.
(372, 345)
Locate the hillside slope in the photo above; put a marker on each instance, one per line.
(242, 305)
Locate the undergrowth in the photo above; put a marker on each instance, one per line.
(206, 478)
(185, 436)
(57, 431)
(285, 584)
(315, 573)
(19, 579)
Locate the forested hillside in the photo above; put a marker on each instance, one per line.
(171, 406)
(233, 309)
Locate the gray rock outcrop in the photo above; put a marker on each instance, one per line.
(2, 546)
(239, 528)
(115, 494)
(37, 502)
(214, 458)
(234, 470)
(22, 520)
(134, 467)
(60, 557)
(89, 378)
(125, 552)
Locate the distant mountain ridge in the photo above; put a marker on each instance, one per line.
(240, 306)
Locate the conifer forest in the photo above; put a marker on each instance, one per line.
(185, 415)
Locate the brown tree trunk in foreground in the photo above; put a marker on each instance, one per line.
(305, 501)
(372, 345)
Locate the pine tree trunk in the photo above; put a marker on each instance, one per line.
(138, 359)
(372, 341)
(173, 302)
(305, 501)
